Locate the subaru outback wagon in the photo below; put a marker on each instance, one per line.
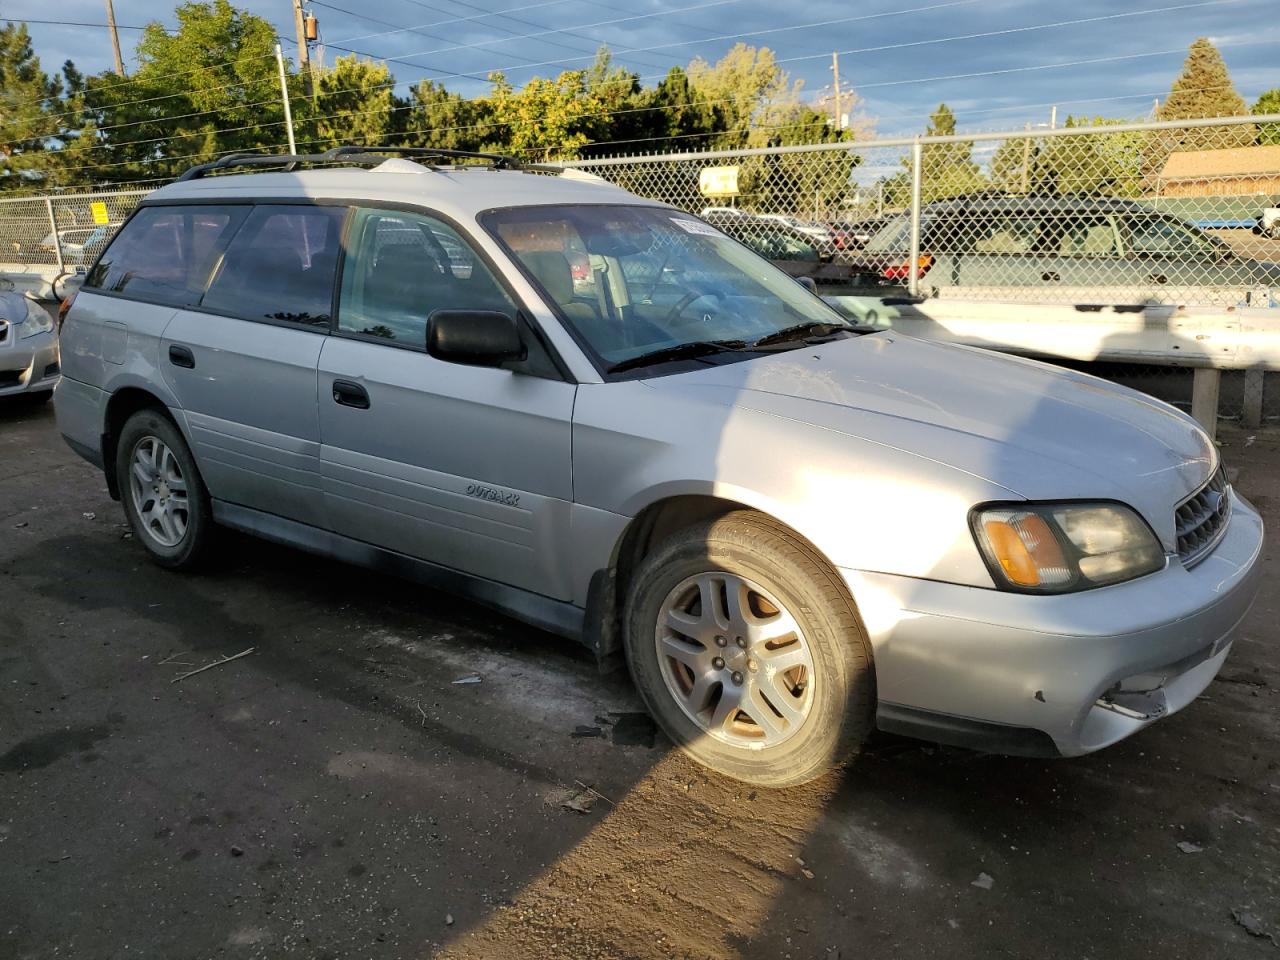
(794, 532)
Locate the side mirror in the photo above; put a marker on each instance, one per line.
(482, 338)
(808, 283)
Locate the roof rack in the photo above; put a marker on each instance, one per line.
(355, 155)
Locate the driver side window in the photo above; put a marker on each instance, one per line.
(402, 267)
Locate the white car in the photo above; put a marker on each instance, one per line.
(793, 532)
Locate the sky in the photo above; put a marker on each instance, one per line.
(999, 64)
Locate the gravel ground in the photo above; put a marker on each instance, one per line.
(338, 793)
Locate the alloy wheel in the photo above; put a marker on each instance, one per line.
(159, 491)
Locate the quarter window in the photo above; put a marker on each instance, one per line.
(281, 266)
(403, 267)
(164, 254)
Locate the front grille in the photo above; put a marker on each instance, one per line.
(1201, 519)
(11, 378)
(4, 330)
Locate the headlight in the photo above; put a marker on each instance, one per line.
(1061, 547)
(37, 321)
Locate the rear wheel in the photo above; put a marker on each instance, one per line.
(748, 652)
(164, 498)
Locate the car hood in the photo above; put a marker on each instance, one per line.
(1041, 432)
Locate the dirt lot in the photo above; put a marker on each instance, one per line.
(339, 794)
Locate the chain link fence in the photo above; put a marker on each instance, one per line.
(1131, 214)
(68, 230)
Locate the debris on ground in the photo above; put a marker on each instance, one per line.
(448, 919)
(20, 524)
(984, 882)
(237, 851)
(469, 678)
(808, 874)
(582, 730)
(210, 666)
(1252, 925)
(1186, 846)
(89, 515)
(580, 802)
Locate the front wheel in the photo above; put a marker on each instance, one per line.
(165, 500)
(748, 652)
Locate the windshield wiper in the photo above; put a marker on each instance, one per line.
(679, 351)
(801, 331)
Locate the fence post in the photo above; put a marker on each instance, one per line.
(1254, 385)
(1205, 383)
(913, 272)
(57, 240)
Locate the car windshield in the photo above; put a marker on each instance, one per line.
(633, 280)
(893, 237)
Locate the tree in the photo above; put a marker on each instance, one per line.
(353, 104)
(1108, 164)
(748, 90)
(1269, 102)
(438, 118)
(1203, 89)
(31, 105)
(947, 169)
(547, 117)
(206, 89)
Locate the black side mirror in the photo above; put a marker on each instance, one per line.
(482, 338)
(808, 283)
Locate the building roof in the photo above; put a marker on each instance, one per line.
(1234, 162)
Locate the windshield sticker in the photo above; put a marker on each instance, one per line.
(696, 226)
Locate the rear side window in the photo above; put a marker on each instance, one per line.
(280, 266)
(164, 254)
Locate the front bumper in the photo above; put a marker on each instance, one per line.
(1066, 675)
(28, 365)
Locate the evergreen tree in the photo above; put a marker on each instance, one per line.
(353, 104)
(1203, 89)
(31, 107)
(1269, 102)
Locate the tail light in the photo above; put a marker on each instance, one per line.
(902, 270)
(63, 307)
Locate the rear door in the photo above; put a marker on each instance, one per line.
(243, 361)
(466, 467)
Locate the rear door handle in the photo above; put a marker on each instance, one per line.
(182, 357)
(1051, 276)
(350, 394)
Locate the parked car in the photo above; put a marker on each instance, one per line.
(799, 255)
(1120, 250)
(1268, 224)
(852, 235)
(80, 245)
(28, 348)
(792, 532)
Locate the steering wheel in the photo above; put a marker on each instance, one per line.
(683, 304)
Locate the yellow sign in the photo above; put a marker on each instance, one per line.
(718, 181)
(99, 210)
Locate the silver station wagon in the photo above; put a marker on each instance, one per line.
(602, 416)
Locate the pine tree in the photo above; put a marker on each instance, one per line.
(30, 104)
(1269, 102)
(1204, 89)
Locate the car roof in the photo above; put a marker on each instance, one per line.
(458, 191)
(988, 203)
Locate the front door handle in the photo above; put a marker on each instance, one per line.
(182, 357)
(350, 394)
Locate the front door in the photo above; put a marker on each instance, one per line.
(466, 467)
(243, 362)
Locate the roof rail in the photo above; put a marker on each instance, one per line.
(351, 154)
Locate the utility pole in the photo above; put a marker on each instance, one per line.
(1026, 161)
(115, 38)
(304, 54)
(835, 68)
(1053, 118)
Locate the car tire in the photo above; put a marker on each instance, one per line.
(799, 702)
(168, 509)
